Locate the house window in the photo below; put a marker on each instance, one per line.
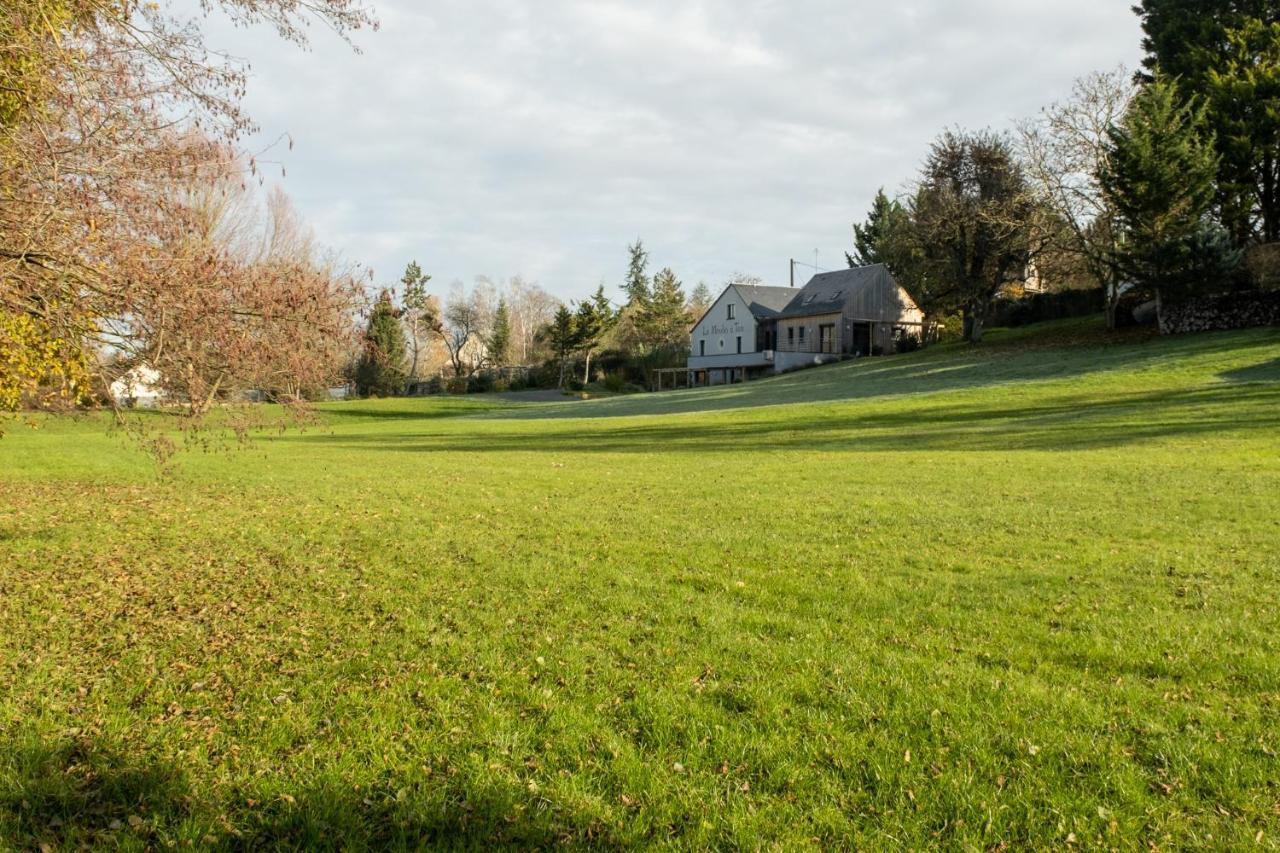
(802, 336)
(730, 310)
(722, 343)
(702, 347)
(791, 335)
(739, 346)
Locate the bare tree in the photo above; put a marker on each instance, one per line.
(227, 295)
(462, 328)
(98, 101)
(532, 308)
(1064, 150)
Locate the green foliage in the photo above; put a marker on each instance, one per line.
(380, 371)
(637, 285)
(869, 237)
(562, 338)
(663, 322)
(970, 229)
(499, 341)
(415, 296)
(1159, 178)
(1227, 52)
(427, 624)
(700, 299)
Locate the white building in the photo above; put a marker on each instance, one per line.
(140, 388)
(755, 331)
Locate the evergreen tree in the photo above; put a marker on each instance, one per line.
(663, 321)
(562, 337)
(1159, 177)
(380, 371)
(417, 313)
(637, 285)
(700, 299)
(594, 318)
(1228, 53)
(869, 236)
(499, 341)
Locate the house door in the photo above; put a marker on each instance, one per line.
(827, 338)
(861, 339)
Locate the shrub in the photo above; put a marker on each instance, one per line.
(480, 384)
(435, 385)
(575, 385)
(906, 342)
(457, 385)
(519, 384)
(1040, 307)
(615, 382)
(501, 385)
(1263, 265)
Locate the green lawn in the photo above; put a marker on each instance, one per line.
(1024, 595)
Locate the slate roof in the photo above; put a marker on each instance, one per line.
(765, 302)
(828, 292)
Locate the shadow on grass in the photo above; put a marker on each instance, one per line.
(1266, 372)
(78, 794)
(1018, 356)
(1065, 422)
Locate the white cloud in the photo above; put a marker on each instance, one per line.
(507, 136)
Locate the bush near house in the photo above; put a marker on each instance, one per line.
(1042, 307)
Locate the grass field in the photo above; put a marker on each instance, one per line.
(1026, 595)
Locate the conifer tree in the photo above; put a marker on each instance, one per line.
(562, 336)
(869, 237)
(380, 371)
(663, 322)
(1159, 177)
(417, 313)
(594, 318)
(700, 299)
(637, 285)
(499, 342)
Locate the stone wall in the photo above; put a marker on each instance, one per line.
(1217, 313)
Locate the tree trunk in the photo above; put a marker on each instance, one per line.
(586, 372)
(975, 320)
(1113, 301)
(413, 367)
(1270, 199)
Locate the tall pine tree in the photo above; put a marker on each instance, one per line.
(380, 371)
(1228, 53)
(637, 285)
(1159, 177)
(663, 322)
(499, 340)
(869, 237)
(417, 314)
(594, 318)
(562, 337)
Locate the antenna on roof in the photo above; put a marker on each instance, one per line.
(795, 263)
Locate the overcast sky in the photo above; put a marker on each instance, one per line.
(505, 137)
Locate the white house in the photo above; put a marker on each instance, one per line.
(139, 387)
(733, 341)
(755, 331)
